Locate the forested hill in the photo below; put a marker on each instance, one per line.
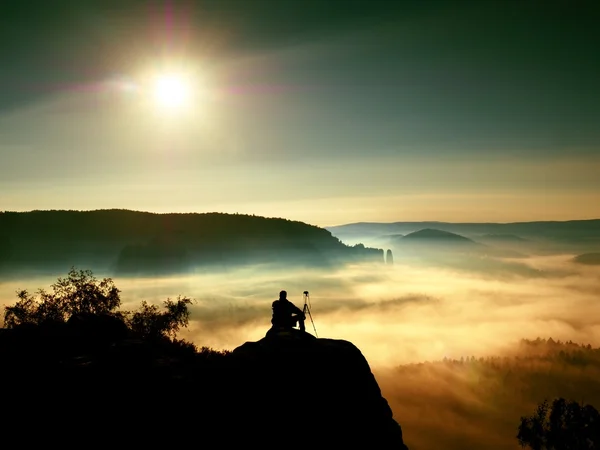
(132, 242)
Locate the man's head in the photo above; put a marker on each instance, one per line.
(283, 295)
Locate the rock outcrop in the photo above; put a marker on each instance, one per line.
(389, 258)
(63, 386)
(320, 390)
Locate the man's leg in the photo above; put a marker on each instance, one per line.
(300, 320)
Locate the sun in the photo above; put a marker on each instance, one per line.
(171, 90)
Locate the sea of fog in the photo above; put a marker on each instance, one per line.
(405, 314)
(394, 314)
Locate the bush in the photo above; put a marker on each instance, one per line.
(151, 323)
(81, 297)
(79, 293)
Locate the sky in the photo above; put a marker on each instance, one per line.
(327, 112)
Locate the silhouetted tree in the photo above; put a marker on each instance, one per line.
(150, 322)
(567, 425)
(79, 293)
(91, 305)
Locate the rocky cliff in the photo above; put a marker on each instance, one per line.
(319, 389)
(70, 384)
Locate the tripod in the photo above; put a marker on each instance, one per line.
(307, 308)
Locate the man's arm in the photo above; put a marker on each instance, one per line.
(297, 310)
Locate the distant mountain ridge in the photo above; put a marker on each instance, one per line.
(548, 227)
(574, 235)
(502, 237)
(430, 242)
(437, 235)
(435, 246)
(131, 242)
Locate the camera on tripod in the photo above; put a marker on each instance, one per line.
(307, 308)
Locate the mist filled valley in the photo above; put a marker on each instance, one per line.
(463, 342)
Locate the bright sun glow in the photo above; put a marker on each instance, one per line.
(171, 91)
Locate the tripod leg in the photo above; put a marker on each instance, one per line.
(313, 323)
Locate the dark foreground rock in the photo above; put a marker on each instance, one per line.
(286, 390)
(320, 389)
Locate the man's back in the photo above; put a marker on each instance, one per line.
(283, 310)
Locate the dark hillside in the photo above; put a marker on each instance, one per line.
(130, 242)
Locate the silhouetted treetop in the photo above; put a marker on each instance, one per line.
(150, 322)
(79, 293)
(81, 300)
(565, 425)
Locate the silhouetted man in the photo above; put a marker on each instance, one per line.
(286, 314)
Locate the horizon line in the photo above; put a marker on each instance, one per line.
(284, 218)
